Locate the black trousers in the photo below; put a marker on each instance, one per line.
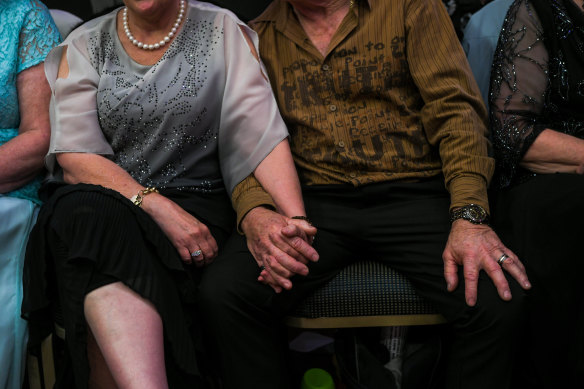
(542, 220)
(403, 224)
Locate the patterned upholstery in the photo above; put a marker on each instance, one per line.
(367, 289)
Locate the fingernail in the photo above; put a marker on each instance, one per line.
(507, 295)
(527, 285)
(448, 286)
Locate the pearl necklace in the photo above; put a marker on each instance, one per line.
(164, 41)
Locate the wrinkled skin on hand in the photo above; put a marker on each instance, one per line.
(281, 246)
(186, 232)
(477, 247)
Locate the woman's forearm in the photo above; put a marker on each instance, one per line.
(553, 151)
(185, 232)
(21, 159)
(278, 177)
(97, 170)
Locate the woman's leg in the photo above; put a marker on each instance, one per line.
(99, 375)
(95, 241)
(129, 333)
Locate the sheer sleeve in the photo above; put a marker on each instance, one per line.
(74, 119)
(38, 36)
(251, 125)
(519, 82)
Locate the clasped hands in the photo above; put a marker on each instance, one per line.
(281, 246)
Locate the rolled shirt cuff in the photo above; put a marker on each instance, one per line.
(466, 190)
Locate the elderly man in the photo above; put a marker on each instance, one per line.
(388, 131)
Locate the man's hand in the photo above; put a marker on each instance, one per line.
(279, 245)
(476, 247)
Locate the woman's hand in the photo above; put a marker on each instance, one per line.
(184, 231)
(279, 246)
(308, 231)
(296, 228)
(190, 237)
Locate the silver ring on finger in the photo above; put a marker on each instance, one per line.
(196, 253)
(502, 259)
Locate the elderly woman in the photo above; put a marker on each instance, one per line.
(537, 100)
(27, 33)
(159, 110)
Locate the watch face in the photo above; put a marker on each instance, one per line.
(475, 213)
(471, 212)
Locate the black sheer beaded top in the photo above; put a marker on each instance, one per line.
(537, 80)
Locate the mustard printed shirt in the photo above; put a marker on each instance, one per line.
(392, 99)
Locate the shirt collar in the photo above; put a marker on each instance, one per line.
(283, 11)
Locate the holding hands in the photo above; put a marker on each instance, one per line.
(280, 245)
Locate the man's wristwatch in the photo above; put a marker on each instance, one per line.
(471, 212)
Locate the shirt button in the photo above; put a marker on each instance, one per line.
(325, 67)
(341, 144)
(333, 107)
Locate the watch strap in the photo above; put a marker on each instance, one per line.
(471, 212)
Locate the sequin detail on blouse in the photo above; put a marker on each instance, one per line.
(533, 85)
(148, 113)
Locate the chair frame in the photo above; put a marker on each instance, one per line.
(364, 321)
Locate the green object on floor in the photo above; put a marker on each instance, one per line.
(317, 379)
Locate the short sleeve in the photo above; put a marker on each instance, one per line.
(38, 36)
(519, 83)
(251, 125)
(74, 118)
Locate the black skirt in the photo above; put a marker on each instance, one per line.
(87, 236)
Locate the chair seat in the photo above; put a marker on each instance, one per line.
(365, 294)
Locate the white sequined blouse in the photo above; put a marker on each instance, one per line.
(201, 118)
